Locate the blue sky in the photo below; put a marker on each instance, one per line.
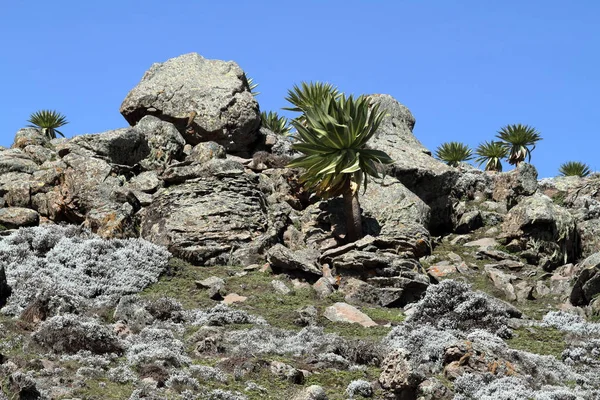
(464, 68)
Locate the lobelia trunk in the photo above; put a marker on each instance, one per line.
(352, 211)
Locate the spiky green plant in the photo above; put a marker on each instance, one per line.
(574, 168)
(453, 153)
(333, 136)
(309, 95)
(252, 86)
(48, 121)
(277, 124)
(491, 153)
(520, 141)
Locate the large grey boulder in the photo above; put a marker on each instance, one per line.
(538, 224)
(207, 100)
(390, 203)
(216, 218)
(587, 285)
(414, 166)
(16, 217)
(126, 146)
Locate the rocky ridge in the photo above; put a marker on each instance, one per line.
(179, 258)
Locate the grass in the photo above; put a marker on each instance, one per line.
(544, 341)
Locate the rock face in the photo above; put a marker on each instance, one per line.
(428, 178)
(511, 186)
(588, 282)
(537, 223)
(212, 219)
(207, 100)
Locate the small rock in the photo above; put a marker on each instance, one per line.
(460, 239)
(440, 270)
(343, 312)
(298, 284)
(314, 392)
(397, 374)
(234, 298)
(502, 281)
(307, 316)
(469, 221)
(323, 287)
(287, 372)
(280, 287)
(15, 217)
(215, 286)
(483, 244)
(453, 257)
(252, 267)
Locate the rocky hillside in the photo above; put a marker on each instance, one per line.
(179, 258)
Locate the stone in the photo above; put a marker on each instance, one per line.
(280, 287)
(232, 298)
(483, 243)
(215, 286)
(16, 160)
(469, 221)
(366, 264)
(164, 142)
(29, 136)
(430, 179)
(391, 204)
(343, 312)
(587, 285)
(442, 269)
(287, 372)
(207, 100)
(510, 187)
(359, 292)
(588, 233)
(202, 152)
(126, 146)
(323, 287)
(537, 221)
(40, 154)
(283, 259)
(307, 316)
(398, 375)
(15, 217)
(313, 392)
(212, 220)
(147, 182)
(401, 290)
(502, 281)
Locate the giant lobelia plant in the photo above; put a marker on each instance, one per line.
(332, 134)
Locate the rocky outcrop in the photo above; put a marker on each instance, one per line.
(538, 224)
(414, 166)
(214, 218)
(207, 100)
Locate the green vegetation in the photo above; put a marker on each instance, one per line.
(520, 141)
(453, 153)
(48, 121)
(574, 168)
(277, 124)
(545, 341)
(333, 132)
(491, 153)
(252, 86)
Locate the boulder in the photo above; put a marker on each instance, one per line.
(469, 221)
(536, 222)
(365, 264)
(588, 233)
(342, 312)
(217, 218)
(126, 146)
(313, 392)
(510, 187)
(300, 261)
(16, 217)
(587, 285)
(207, 100)
(388, 203)
(29, 136)
(16, 160)
(202, 152)
(414, 166)
(398, 375)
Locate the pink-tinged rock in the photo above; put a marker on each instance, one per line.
(342, 312)
(441, 270)
(234, 298)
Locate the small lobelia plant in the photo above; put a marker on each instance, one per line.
(453, 153)
(520, 141)
(48, 121)
(574, 168)
(274, 122)
(491, 154)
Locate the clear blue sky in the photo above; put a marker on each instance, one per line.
(464, 68)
